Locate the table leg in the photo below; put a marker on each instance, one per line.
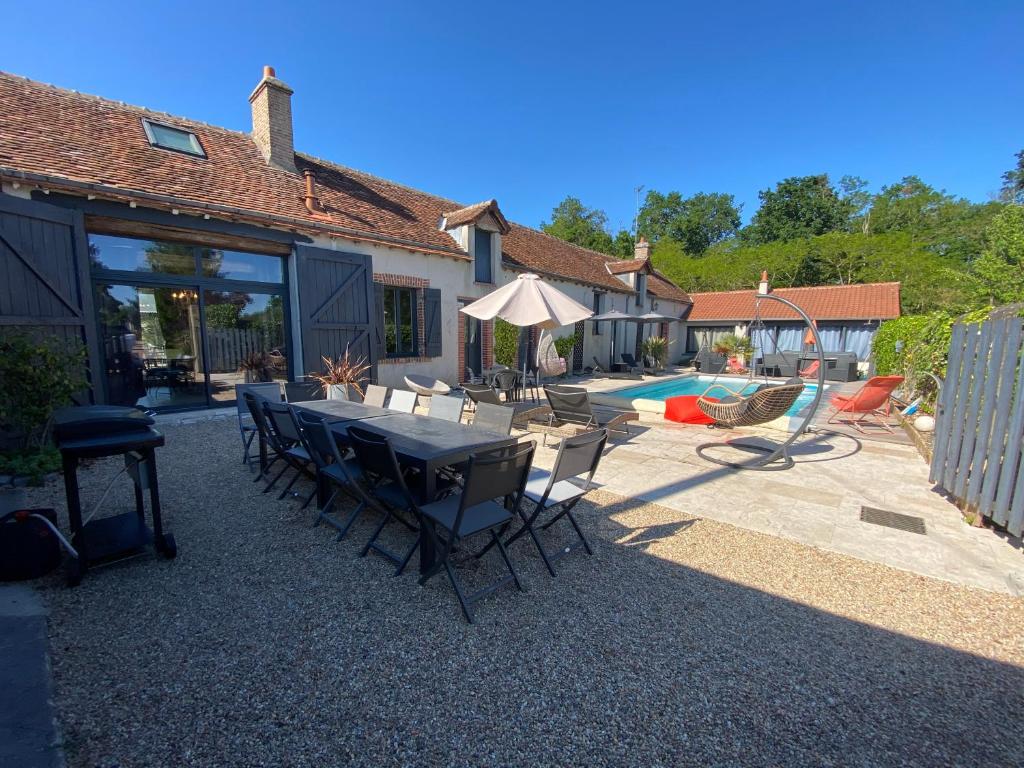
(428, 493)
(70, 464)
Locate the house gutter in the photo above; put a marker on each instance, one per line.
(207, 210)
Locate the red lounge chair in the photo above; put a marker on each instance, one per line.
(810, 370)
(872, 403)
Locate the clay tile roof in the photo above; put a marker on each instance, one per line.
(867, 301)
(70, 141)
(534, 251)
(472, 213)
(663, 288)
(628, 265)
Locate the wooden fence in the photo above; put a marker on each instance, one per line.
(980, 421)
(228, 346)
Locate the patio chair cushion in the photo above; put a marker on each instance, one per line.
(561, 491)
(475, 519)
(683, 409)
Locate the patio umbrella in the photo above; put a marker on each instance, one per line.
(528, 301)
(648, 317)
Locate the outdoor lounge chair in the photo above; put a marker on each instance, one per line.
(571, 406)
(634, 366)
(871, 404)
(602, 371)
(488, 502)
(767, 403)
(552, 491)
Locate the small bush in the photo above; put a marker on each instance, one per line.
(564, 347)
(33, 463)
(506, 342)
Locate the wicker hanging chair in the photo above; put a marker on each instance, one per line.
(760, 407)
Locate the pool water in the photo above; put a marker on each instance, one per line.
(696, 385)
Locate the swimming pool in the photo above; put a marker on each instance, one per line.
(660, 391)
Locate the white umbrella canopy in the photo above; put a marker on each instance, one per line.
(527, 301)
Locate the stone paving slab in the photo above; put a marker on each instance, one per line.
(818, 502)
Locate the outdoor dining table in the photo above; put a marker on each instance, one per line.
(342, 410)
(427, 444)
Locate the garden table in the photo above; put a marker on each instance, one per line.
(342, 410)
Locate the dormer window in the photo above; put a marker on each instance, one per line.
(641, 288)
(482, 256)
(175, 139)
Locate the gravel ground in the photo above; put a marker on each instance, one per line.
(681, 642)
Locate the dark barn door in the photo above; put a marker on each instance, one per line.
(336, 305)
(44, 275)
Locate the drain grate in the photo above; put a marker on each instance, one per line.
(909, 523)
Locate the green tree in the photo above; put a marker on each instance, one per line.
(698, 222)
(800, 206)
(997, 276)
(856, 199)
(575, 223)
(910, 205)
(1013, 182)
(624, 245)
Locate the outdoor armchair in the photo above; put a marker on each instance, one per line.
(488, 502)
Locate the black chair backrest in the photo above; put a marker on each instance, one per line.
(496, 474)
(255, 405)
(298, 391)
(579, 455)
(447, 407)
(570, 404)
(493, 418)
(628, 359)
(319, 440)
(377, 460)
(505, 380)
(282, 421)
(481, 393)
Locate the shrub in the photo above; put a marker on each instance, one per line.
(37, 376)
(914, 346)
(655, 347)
(506, 342)
(564, 347)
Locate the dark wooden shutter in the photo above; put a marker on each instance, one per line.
(336, 306)
(45, 285)
(378, 330)
(432, 322)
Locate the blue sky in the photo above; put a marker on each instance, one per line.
(529, 102)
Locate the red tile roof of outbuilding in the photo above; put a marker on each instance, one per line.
(866, 301)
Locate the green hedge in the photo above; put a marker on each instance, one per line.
(506, 342)
(564, 347)
(925, 347)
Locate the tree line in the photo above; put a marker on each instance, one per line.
(948, 252)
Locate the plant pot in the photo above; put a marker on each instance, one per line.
(12, 499)
(339, 392)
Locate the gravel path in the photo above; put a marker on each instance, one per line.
(681, 642)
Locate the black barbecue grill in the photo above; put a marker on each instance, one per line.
(93, 431)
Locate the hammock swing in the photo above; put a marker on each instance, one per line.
(767, 403)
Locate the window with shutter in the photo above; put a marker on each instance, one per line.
(432, 322)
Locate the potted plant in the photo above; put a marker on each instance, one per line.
(655, 348)
(342, 377)
(36, 378)
(256, 367)
(736, 348)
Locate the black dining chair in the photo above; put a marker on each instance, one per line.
(300, 391)
(268, 390)
(385, 482)
(289, 445)
(334, 471)
(506, 382)
(552, 492)
(488, 502)
(265, 440)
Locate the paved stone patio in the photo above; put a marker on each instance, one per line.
(817, 502)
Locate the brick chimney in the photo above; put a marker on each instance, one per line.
(642, 249)
(272, 121)
(763, 288)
